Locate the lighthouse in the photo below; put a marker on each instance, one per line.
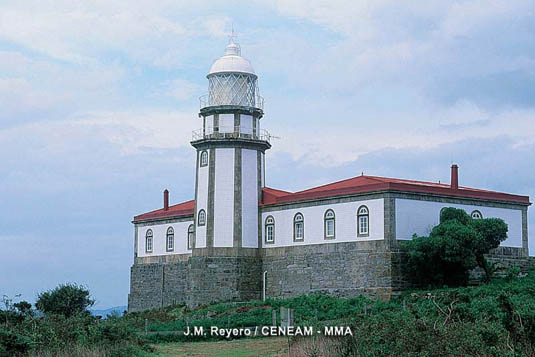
(230, 149)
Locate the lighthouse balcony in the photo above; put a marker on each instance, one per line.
(235, 132)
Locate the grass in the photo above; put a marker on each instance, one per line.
(274, 346)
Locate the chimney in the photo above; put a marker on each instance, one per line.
(454, 176)
(165, 200)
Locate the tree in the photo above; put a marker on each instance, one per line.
(24, 307)
(491, 232)
(454, 247)
(66, 299)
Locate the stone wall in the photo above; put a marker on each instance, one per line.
(342, 269)
(198, 280)
(223, 278)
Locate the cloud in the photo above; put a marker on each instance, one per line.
(180, 89)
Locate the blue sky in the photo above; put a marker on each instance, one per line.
(99, 100)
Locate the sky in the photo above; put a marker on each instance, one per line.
(98, 101)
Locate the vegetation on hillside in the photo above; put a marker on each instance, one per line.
(496, 319)
(64, 327)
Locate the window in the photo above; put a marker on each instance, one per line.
(148, 241)
(299, 227)
(329, 225)
(201, 221)
(363, 221)
(204, 158)
(476, 215)
(270, 230)
(191, 236)
(170, 241)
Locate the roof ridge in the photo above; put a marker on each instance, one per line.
(335, 182)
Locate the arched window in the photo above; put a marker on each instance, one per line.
(299, 227)
(170, 241)
(204, 158)
(148, 241)
(363, 221)
(201, 219)
(191, 236)
(270, 229)
(329, 224)
(476, 214)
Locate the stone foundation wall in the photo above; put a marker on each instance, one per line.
(199, 280)
(220, 278)
(341, 269)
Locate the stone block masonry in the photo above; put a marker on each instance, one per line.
(343, 269)
(198, 281)
(157, 284)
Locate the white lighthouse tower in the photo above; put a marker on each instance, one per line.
(230, 157)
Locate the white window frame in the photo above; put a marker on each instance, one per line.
(170, 240)
(270, 228)
(476, 214)
(363, 221)
(204, 158)
(299, 227)
(149, 241)
(201, 218)
(329, 217)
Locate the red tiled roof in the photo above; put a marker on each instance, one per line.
(179, 210)
(359, 184)
(366, 184)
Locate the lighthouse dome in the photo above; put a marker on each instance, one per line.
(232, 61)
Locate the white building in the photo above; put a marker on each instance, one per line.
(238, 239)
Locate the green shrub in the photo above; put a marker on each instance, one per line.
(12, 343)
(66, 299)
(454, 247)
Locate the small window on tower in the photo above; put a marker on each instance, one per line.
(299, 227)
(329, 226)
(204, 158)
(170, 241)
(363, 222)
(148, 241)
(201, 219)
(270, 230)
(476, 215)
(191, 236)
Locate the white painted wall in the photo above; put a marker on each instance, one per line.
(202, 202)
(209, 124)
(263, 169)
(226, 123)
(159, 238)
(246, 124)
(224, 198)
(413, 216)
(346, 223)
(249, 199)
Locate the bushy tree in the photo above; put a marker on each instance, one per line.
(24, 307)
(454, 247)
(66, 299)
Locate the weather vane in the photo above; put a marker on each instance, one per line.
(232, 36)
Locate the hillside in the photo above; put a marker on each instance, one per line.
(497, 319)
